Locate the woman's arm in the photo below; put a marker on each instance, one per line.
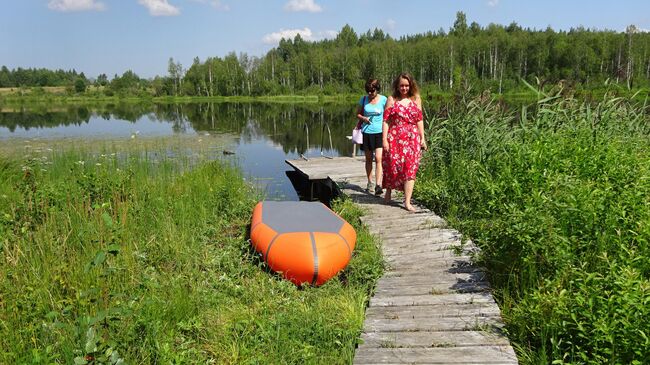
(423, 141)
(384, 126)
(360, 115)
(420, 123)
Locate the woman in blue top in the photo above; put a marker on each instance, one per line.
(370, 112)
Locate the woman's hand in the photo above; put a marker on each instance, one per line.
(385, 145)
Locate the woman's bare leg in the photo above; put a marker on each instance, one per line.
(408, 192)
(379, 171)
(387, 197)
(368, 153)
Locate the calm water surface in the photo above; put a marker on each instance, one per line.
(262, 135)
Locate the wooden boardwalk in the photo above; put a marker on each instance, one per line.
(432, 306)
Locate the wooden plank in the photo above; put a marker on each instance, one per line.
(431, 339)
(415, 257)
(415, 248)
(416, 263)
(433, 288)
(437, 355)
(389, 236)
(469, 323)
(442, 277)
(399, 216)
(455, 298)
(433, 311)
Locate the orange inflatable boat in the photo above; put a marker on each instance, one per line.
(304, 241)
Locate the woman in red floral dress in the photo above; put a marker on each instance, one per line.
(403, 138)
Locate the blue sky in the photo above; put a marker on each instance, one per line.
(112, 36)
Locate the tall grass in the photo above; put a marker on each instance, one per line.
(140, 256)
(557, 195)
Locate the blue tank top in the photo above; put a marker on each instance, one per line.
(375, 112)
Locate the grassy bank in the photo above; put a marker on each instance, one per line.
(139, 255)
(557, 196)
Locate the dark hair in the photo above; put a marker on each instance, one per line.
(413, 89)
(373, 84)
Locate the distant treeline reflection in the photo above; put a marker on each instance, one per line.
(284, 124)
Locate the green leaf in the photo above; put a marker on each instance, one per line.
(101, 315)
(107, 219)
(99, 258)
(79, 360)
(90, 340)
(113, 249)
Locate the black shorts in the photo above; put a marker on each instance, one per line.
(372, 141)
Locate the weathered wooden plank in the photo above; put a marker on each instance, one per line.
(437, 355)
(419, 240)
(423, 256)
(414, 248)
(420, 263)
(420, 234)
(455, 298)
(433, 311)
(469, 323)
(433, 288)
(431, 339)
(417, 223)
(433, 269)
(441, 277)
(438, 233)
(396, 215)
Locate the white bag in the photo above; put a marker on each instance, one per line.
(357, 136)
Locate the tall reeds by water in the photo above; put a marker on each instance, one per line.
(118, 253)
(557, 195)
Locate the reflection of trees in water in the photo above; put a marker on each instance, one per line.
(70, 115)
(284, 124)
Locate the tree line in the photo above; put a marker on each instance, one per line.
(494, 57)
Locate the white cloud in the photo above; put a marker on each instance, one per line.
(75, 5)
(302, 5)
(159, 7)
(391, 24)
(305, 33)
(217, 4)
(493, 3)
(274, 38)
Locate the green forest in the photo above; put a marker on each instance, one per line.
(467, 56)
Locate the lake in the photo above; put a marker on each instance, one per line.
(261, 135)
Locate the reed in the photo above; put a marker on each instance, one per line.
(137, 253)
(556, 195)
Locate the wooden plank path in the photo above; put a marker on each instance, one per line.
(432, 306)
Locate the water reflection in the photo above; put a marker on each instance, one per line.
(265, 134)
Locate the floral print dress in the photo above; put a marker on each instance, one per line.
(402, 161)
